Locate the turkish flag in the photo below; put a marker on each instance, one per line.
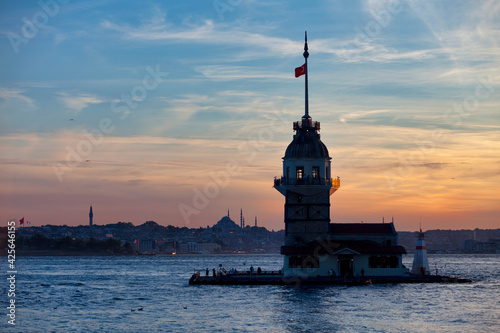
(21, 221)
(300, 70)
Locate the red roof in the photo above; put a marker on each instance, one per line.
(362, 228)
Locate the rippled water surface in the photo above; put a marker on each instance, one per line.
(94, 294)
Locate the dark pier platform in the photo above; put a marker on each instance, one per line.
(275, 278)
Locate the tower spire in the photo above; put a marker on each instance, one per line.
(306, 55)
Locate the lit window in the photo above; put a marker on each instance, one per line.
(315, 172)
(300, 172)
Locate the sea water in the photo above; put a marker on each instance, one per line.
(151, 294)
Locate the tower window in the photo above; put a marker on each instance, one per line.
(300, 172)
(315, 172)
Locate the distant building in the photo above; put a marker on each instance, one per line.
(195, 247)
(147, 245)
(473, 246)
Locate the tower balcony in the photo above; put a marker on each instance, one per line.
(306, 123)
(283, 181)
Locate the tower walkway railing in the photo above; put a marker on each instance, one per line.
(334, 182)
(306, 124)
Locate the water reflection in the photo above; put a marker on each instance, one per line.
(308, 308)
(99, 293)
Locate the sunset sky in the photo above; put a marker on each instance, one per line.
(147, 109)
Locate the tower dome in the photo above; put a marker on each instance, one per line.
(306, 142)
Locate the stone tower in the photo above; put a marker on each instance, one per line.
(306, 182)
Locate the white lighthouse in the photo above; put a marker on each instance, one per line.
(420, 263)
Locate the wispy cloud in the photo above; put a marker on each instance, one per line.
(360, 114)
(222, 72)
(15, 95)
(78, 102)
(206, 33)
(260, 45)
(466, 31)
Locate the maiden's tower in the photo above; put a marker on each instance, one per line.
(315, 250)
(315, 247)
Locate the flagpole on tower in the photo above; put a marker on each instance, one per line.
(306, 55)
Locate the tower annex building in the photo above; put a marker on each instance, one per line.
(313, 245)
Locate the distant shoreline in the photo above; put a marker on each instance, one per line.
(62, 253)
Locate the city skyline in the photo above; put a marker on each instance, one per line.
(176, 113)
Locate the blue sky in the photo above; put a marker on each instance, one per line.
(406, 91)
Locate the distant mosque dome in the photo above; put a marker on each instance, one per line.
(226, 224)
(306, 143)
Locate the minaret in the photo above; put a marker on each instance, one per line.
(256, 221)
(91, 217)
(420, 263)
(306, 182)
(241, 218)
